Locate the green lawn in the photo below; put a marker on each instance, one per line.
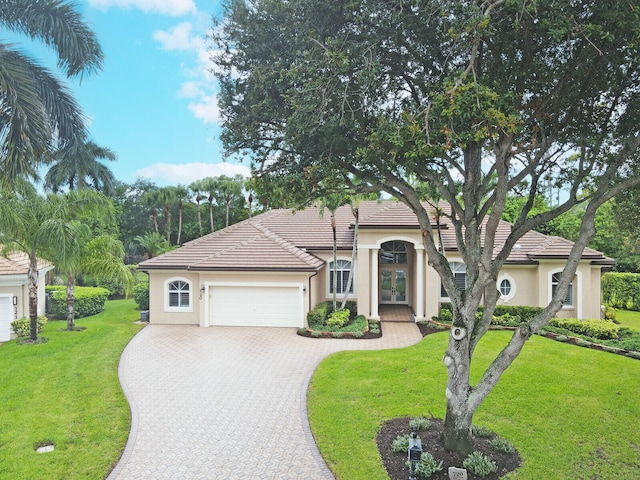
(66, 391)
(572, 412)
(629, 319)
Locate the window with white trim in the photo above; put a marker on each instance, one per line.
(394, 251)
(506, 287)
(178, 294)
(459, 271)
(342, 276)
(568, 299)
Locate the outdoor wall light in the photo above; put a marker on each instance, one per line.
(201, 291)
(15, 300)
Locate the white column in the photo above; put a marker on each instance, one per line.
(374, 284)
(420, 285)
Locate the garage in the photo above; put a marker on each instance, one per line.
(5, 318)
(256, 305)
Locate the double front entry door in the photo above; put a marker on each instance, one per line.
(393, 285)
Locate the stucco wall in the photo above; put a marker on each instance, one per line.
(197, 316)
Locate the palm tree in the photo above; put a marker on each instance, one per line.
(153, 244)
(77, 167)
(151, 199)
(103, 255)
(39, 226)
(209, 185)
(197, 189)
(181, 193)
(38, 115)
(167, 196)
(332, 202)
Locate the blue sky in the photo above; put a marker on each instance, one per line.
(154, 101)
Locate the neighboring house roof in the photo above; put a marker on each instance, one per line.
(17, 263)
(280, 240)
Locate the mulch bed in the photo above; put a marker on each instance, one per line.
(394, 462)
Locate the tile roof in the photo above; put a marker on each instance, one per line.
(17, 263)
(280, 240)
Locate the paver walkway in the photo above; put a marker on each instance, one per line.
(227, 402)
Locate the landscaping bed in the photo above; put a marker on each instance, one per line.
(325, 323)
(395, 462)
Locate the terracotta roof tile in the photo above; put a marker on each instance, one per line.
(280, 240)
(17, 263)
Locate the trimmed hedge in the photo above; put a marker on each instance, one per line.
(320, 312)
(600, 329)
(621, 290)
(88, 300)
(505, 315)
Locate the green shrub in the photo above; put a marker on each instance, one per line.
(445, 315)
(621, 290)
(400, 443)
(502, 445)
(358, 334)
(602, 329)
(609, 313)
(141, 295)
(88, 301)
(506, 320)
(117, 289)
(427, 465)
(22, 326)
(316, 334)
(419, 423)
(479, 431)
(339, 318)
(517, 314)
(318, 315)
(479, 464)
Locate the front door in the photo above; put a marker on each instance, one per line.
(393, 285)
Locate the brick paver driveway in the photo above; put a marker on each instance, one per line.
(227, 402)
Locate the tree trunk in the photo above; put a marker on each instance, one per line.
(71, 299)
(356, 214)
(33, 297)
(154, 214)
(199, 218)
(179, 221)
(211, 213)
(335, 261)
(459, 416)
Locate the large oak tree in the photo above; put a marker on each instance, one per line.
(477, 99)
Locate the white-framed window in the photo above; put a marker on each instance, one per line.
(568, 299)
(459, 271)
(506, 287)
(342, 276)
(178, 295)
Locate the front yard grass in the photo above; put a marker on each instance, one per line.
(66, 391)
(629, 319)
(571, 412)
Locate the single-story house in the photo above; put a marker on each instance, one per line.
(270, 270)
(14, 290)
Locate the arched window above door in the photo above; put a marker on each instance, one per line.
(394, 252)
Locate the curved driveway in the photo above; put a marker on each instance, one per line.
(227, 402)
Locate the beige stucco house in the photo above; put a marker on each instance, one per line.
(272, 269)
(14, 291)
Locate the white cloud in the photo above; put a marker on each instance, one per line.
(165, 7)
(180, 38)
(200, 85)
(185, 173)
(206, 109)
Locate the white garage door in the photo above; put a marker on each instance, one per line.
(5, 319)
(256, 305)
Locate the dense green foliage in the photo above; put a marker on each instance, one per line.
(621, 290)
(88, 300)
(141, 295)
